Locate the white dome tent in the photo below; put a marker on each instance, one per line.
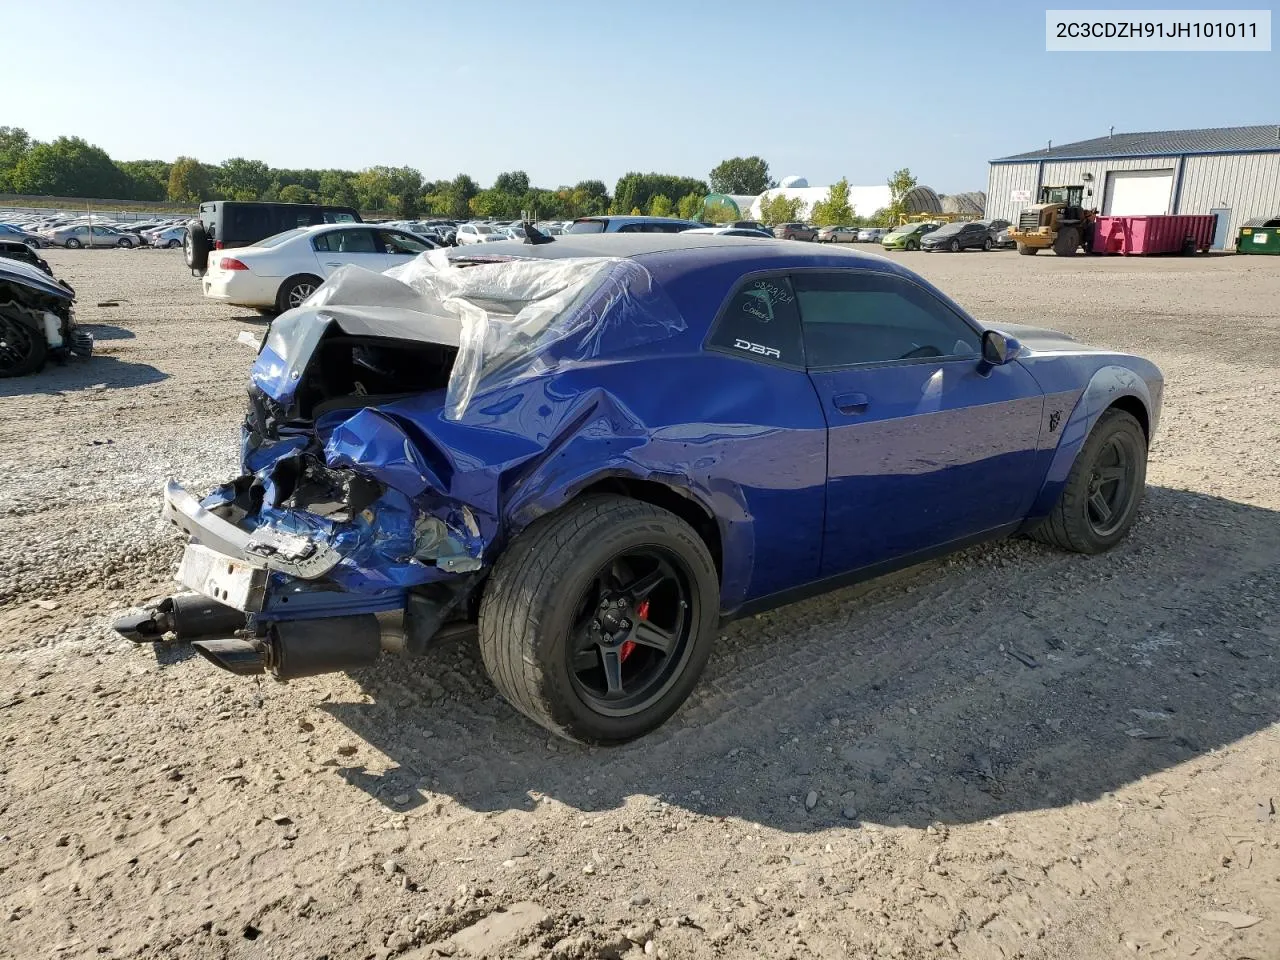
(865, 200)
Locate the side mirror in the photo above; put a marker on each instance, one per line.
(998, 348)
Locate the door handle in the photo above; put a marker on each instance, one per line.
(851, 403)
(330, 263)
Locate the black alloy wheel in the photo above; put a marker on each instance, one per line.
(631, 629)
(1112, 484)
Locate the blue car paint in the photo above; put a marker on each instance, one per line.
(935, 452)
(747, 441)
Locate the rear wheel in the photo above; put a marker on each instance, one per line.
(1067, 242)
(598, 620)
(173, 243)
(1099, 501)
(911, 245)
(73, 243)
(295, 290)
(124, 243)
(1027, 251)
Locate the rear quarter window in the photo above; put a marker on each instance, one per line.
(761, 322)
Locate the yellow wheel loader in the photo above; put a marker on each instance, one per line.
(1058, 222)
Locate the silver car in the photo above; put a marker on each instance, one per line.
(871, 234)
(167, 236)
(82, 235)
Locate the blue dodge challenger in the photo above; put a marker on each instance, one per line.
(592, 449)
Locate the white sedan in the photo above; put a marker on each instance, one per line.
(282, 271)
(480, 233)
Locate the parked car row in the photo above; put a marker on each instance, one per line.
(74, 232)
(930, 235)
(851, 234)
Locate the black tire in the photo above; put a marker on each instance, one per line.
(72, 244)
(124, 243)
(954, 246)
(196, 246)
(23, 348)
(911, 245)
(171, 243)
(1067, 242)
(295, 290)
(541, 599)
(987, 244)
(1075, 522)
(1027, 251)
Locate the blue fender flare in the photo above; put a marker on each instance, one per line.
(1108, 386)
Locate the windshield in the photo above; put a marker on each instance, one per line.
(586, 226)
(280, 238)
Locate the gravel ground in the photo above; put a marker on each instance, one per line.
(1013, 752)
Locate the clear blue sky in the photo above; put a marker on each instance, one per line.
(570, 89)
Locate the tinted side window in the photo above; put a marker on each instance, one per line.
(761, 322)
(856, 317)
(290, 218)
(351, 241)
(248, 223)
(402, 243)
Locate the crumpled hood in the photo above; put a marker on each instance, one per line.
(24, 274)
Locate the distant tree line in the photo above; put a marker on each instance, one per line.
(70, 167)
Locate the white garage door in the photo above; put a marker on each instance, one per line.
(1133, 193)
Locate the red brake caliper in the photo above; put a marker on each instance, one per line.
(628, 646)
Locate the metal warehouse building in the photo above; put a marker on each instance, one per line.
(1231, 171)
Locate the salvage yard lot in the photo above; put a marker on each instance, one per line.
(1011, 752)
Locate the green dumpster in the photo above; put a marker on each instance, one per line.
(1259, 235)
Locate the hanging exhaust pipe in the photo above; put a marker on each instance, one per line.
(302, 648)
(305, 648)
(242, 657)
(186, 615)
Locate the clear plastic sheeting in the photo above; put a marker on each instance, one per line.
(512, 312)
(510, 318)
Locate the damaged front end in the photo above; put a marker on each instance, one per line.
(36, 320)
(362, 521)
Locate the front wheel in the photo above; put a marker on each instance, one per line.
(1067, 242)
(1027, 251)
(955, 246)
(598, 620)
(1099, 501)
(987, 244)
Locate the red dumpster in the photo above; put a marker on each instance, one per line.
(1140, 236)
